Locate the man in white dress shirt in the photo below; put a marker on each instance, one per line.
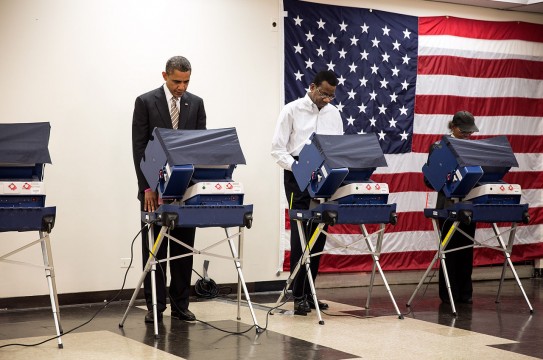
(297, 121)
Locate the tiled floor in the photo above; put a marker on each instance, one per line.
(484, 330)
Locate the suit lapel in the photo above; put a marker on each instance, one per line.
(163, 109)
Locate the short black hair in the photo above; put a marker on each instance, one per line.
(180, 63)
(325, 75)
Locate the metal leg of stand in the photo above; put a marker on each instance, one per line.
(241, 280)
(376, 251)
(502, 278)
(304, 260)
(448, 283)
(422, 279)
(507, 252)
(240, 247)
(437, 233)
(290, 278)
(313, 291)
(150, 265)
(307, 256)
(294, 272)
(442, 245)
(51, 283)
(373, 268)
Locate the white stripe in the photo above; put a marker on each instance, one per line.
(413, 162)
(479, 87)
(488, 125)
(409, 201)
(412, 200)
(534, 197)
(479, 48)
(426, 240)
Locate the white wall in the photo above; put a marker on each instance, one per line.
(80, 65)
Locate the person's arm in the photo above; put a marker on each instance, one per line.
(280, 140)
(140, 138)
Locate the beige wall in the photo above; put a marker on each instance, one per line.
(80, 65)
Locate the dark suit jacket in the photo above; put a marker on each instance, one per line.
(151, 110)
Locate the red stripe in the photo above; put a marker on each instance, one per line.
(417, 260)
(526, 179)
(449, 104)
(519, 143)
(479, 68)
(480, 29)
(414, 181)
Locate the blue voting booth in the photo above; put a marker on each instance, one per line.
(191, 170)
(336, 171)
(469, 173)
(23, 155)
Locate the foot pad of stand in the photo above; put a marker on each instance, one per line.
(321, 322)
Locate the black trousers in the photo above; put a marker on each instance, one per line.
(180, 269)
(301, 200)
(459, 263)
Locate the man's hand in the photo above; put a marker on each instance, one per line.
(150, 203)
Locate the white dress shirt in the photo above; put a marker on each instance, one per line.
(169, 100)
(297, 121)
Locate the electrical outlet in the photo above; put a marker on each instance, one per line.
(125, 262)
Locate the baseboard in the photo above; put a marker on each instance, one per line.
(93, 297)
(336, 280)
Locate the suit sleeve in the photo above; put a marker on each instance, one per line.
(140, 137)
(201, 116)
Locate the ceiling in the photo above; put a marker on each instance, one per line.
(531, 6)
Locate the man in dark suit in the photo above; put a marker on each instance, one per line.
(171, 107)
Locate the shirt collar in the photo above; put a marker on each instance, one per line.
(168, 94)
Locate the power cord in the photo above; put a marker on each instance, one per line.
(99, 310)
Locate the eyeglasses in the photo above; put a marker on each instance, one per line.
(324, 96)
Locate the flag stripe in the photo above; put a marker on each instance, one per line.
(419, 260)
(480, 68)
(488, 125)
(519, 143)
(415, 181)
(478, 87)
(467, 28)
(503, 106)
(398, 164)
(479, 49)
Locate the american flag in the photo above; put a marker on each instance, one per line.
(403, 77)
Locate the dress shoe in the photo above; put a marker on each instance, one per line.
(301, 307)
(149, 317)
(322, 306)
(183, 314)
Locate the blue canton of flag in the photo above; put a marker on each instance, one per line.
(374, 55)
